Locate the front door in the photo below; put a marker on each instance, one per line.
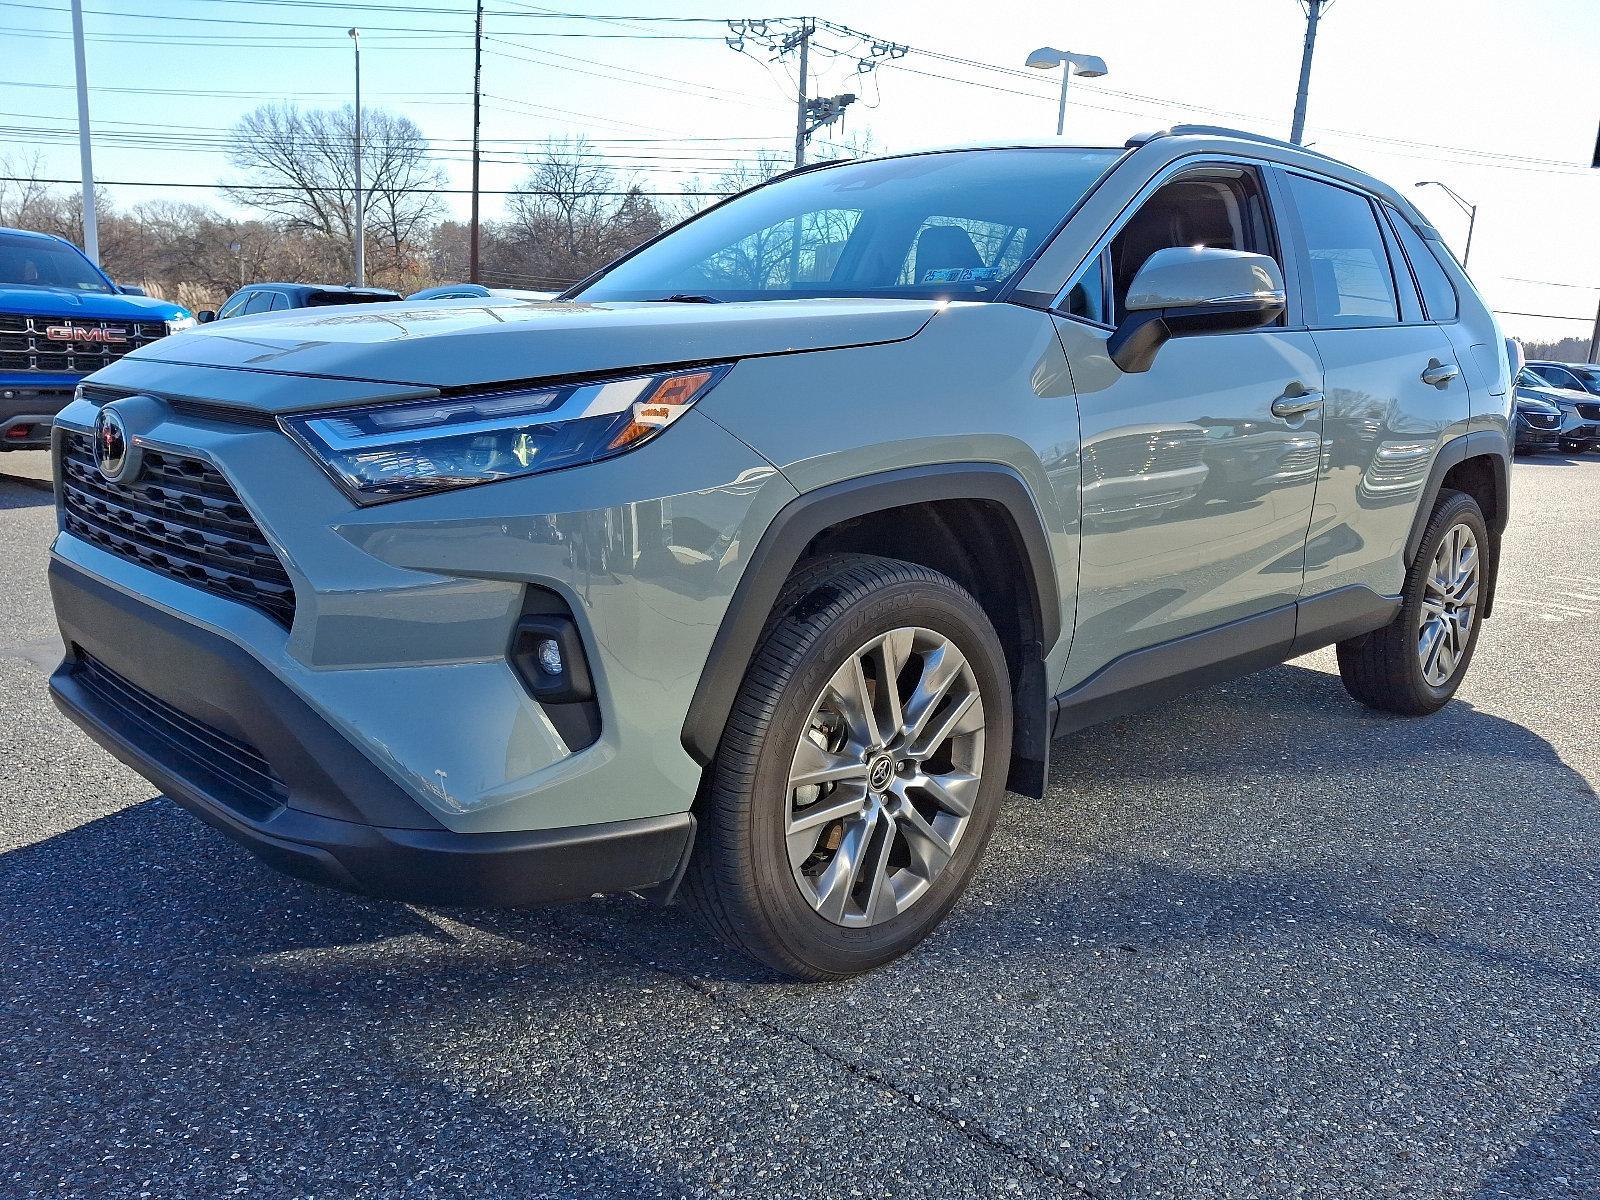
(1196, 494)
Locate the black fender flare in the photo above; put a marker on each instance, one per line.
(1493, 446)
(799, 521)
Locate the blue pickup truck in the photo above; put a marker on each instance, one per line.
(61, 318)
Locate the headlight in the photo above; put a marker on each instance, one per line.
(387, 451)
(179, 324)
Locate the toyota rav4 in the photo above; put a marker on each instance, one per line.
(759, 566)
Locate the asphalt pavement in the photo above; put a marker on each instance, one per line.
(1259, 942)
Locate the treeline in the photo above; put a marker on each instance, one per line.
(296, 173)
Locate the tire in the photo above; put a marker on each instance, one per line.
(751, 878)
(1387, 669)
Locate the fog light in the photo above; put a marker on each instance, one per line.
(550, 657)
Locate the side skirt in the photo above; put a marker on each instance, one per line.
(1163, 672)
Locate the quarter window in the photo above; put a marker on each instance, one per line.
(1348, 267)
(1087, 296)
(1438, 295)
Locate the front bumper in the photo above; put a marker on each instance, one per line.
(27, 411)
(1532, 437)
(203, 718)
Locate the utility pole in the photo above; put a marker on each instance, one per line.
(477, 119)
(802, 38)
(91, 225)
(1313, 15)
(361, 202)
(1594, 338)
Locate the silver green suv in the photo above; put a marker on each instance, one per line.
(757, 568)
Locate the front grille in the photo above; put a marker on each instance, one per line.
(1589, 412)
(180, 517)
(226, 769)
(1541, 420)
(69, 345)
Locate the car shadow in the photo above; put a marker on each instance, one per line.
(20, 491)
(153, 966)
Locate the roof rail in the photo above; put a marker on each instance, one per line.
(1139, 139)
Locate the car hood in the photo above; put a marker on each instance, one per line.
(469, 343)
(62, 302)
(1553, 396)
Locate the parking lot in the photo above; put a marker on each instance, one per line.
(1259, 942)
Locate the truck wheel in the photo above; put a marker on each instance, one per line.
(860, 773)
(1414, 664)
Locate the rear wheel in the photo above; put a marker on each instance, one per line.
(860, 773)
(1414, 664)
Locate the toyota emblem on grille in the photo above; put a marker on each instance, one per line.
(114, 455)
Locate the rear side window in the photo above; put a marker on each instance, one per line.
(1438, 295)
(1348, 267)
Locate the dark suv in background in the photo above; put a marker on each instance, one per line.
(278, 297)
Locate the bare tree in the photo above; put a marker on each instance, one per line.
(572, 215)
(300, 168)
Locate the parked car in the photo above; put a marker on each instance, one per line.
(759, 570)
(1578, 385)
(278, 297)
(472, 291)
(1578, 377)
(1549, 418)
(61, 318)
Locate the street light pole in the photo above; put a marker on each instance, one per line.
(91, 225)
(1047, 58)
(1465, 206)
(361, 207)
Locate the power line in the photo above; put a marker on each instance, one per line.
(272, 187)
(1502, 312)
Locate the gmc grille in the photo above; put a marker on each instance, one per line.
(26, 343)
(225, 768)
(180, 517)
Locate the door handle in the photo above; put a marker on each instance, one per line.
(1438, 374)
(1297, 405)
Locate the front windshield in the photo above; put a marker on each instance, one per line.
(39, 263)
(955, 224)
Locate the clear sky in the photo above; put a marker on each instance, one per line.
(1498, 99)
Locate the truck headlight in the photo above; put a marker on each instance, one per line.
(179, 324)
(389, 451)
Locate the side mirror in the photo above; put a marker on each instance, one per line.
(205, 315)
(128, 289)
(1184, 290)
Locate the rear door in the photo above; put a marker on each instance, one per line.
(1196, 495)
(1393, 388)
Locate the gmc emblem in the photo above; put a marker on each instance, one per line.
(80, 333)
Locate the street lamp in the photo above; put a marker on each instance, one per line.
(361, 210)
(1470, 209)
(1046, 58)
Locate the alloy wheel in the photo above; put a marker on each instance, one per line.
(1449, 605)
(883, 782)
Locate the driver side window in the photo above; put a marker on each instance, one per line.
(1220, 207)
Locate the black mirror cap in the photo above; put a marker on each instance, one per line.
(205, 316)
(1134, 343)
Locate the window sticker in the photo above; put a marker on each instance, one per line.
(963, 275)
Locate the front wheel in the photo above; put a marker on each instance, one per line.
(860, 773)
(1414, 664)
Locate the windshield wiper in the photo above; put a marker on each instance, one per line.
(685, 298)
